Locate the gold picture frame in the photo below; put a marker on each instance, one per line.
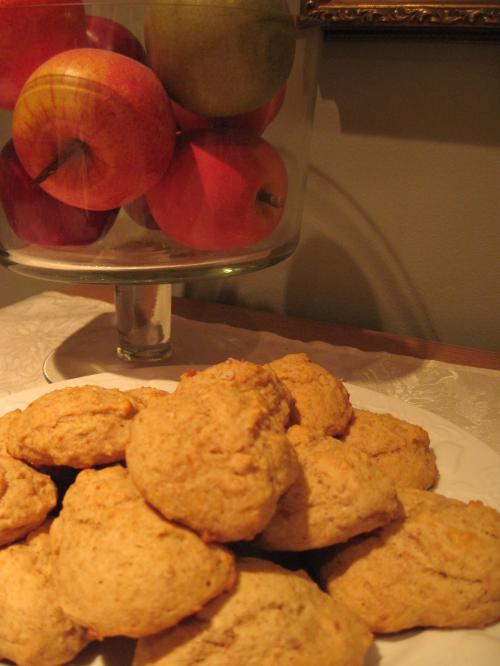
(427, 16)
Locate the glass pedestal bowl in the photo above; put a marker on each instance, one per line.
(148, 144)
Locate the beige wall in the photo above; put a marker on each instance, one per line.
(401, 227)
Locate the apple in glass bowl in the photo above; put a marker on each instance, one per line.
(94, 128)
(38, 218)
(100, 103)
(222, 58)
(30, 33)
(255, 121)
(224, 189)
(105, 33)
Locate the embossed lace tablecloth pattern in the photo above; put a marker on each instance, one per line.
(468, 397)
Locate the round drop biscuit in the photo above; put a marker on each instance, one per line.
(321, 401)
(338, 494)
(400, 449)
(212, 459)
(26, 497)
(34, 631)
(6, 424)
(143, 396)
(245, 376)
(439, 566)
(122, 569)
(273, 617)
(76, 427)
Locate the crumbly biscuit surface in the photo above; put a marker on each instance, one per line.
(73, 426)
(142, 396)
(245, 376)
(273, 617)
(401, 449)
(6, 424)
(211, 460)
(3, 483)
(121, 569)
(34, 631)
(26, 497)
(321, 401)
(338, 494)
(437, 567)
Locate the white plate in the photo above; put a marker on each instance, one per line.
(468, 468)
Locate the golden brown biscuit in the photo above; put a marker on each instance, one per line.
(437, 567)
(245, 376)
(211, 459)
(6, 422)
(3, 483)
(74, 426)
(338, 494)
(142, 396)
(321, 401)
(273, 617)
(122, 569)
(26, 497)
(34, 631)
(401, 449)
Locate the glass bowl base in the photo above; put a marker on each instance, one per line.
(93, 350)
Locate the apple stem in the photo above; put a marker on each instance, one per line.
(274, 200)
(71, 147)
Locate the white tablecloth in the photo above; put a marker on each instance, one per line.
(31, 329)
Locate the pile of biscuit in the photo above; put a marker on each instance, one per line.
(252, 517)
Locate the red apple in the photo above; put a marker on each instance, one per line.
(104, 33)
(38, 218)
(225, 189)
(94, 128)
(31, 32)
(254, 121)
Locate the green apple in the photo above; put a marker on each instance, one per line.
(224, 58)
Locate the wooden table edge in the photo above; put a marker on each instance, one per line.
(308, 330)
